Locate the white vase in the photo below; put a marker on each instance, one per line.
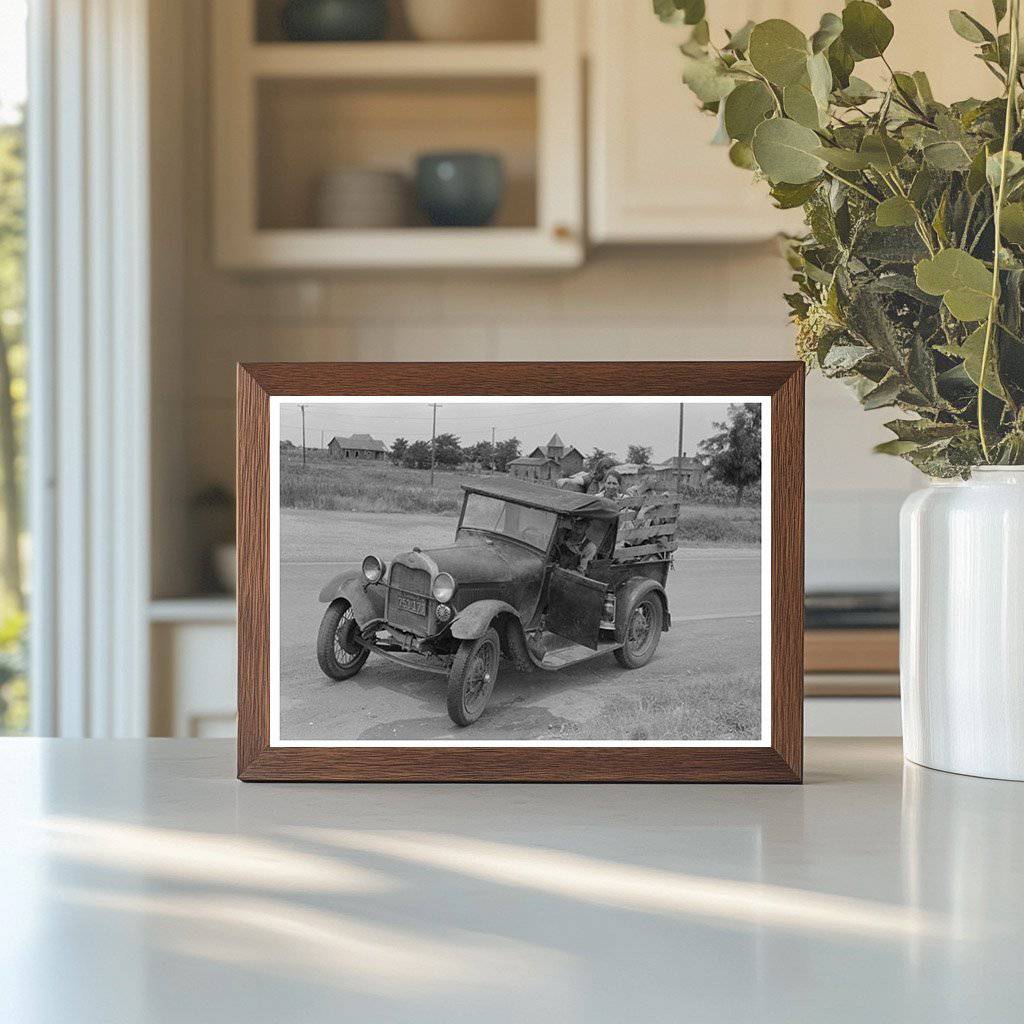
(962, 624)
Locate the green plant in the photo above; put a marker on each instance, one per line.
(901, 288)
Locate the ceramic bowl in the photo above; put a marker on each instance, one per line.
(470, 20)
(460, 189)
(334, 21)
(359, 197)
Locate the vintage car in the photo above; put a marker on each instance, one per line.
(511, 585)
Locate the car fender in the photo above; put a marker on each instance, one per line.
(632, 590)
(366, 599)
(475, 619)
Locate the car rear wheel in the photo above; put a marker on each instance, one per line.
(643, 631)
(472, 678)
(336, 651)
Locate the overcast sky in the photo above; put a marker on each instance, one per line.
(611, 426)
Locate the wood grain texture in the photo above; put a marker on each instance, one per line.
(852, 650)
(780, 762)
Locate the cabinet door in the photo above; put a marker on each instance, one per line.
(654, 177)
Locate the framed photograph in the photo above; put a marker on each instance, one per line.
(520, 571)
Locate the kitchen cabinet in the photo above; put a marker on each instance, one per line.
(287, 114)
(654, 177)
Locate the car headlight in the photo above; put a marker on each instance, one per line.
(373, 568)
(443, 587)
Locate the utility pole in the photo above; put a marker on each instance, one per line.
(494, 454)
(321, 439)
(303, 408)
(679, 451)
(433, 443)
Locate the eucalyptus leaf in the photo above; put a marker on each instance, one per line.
(745, 108)
(883, 152)
(741, 155)
(883, 395)
(708, 80)
(922, 431)
(947, 156)
(1012, 223)
(739, 41)
(969, 28)
(788, 196)
(829, 30)
(779, 51)
(866, 29)
(819, 75)
(924, 87)
(841, 62)
(844, 159)
(857, 91)
(895, 447)
(801, 106)
(963, 281)
(690, 12)
(972, 351)
(895, 212)
(993, 167)
(976, 176)
(787, 152)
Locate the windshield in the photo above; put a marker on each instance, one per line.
(532, 526)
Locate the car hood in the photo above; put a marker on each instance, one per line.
(475, 560)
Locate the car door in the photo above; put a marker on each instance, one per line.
(575, 604)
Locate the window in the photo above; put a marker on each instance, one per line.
(14, 693)
(530, 525)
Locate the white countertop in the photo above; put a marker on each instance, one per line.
(140, 882)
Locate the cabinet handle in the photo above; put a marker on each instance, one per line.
(562, 232)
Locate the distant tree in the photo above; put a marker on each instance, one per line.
(448, 450)
(504, 452)
(639, 454)
(482, 452)
(599, 462)
(734, 453)
(417, 455)
(399, 448)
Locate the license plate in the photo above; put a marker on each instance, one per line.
(416, 605)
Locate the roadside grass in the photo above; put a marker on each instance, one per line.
(712, 526)
(712, 707)
(324, 483)
(708, 519)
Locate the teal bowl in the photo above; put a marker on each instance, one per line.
(460, 190)
(334, 21)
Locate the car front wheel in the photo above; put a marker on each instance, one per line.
(336, 651)
(643, 631)
(472, 678)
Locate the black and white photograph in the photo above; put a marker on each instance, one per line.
(553, 571)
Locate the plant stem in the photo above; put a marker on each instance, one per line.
(1011, 108)
(853, 185)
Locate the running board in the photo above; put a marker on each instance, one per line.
(571, 654)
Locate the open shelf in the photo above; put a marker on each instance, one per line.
(309, 127)
(286, 114)
(520, 23)
(393, 60)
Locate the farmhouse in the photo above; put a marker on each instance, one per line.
(691, 471)
(549, 461)
(358, 446)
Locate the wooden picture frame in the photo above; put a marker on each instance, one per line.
(779, 759)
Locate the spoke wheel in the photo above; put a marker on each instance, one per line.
(336, 651)
(472, 678)
(643, 632)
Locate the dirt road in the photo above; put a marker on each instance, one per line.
(706, 668)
